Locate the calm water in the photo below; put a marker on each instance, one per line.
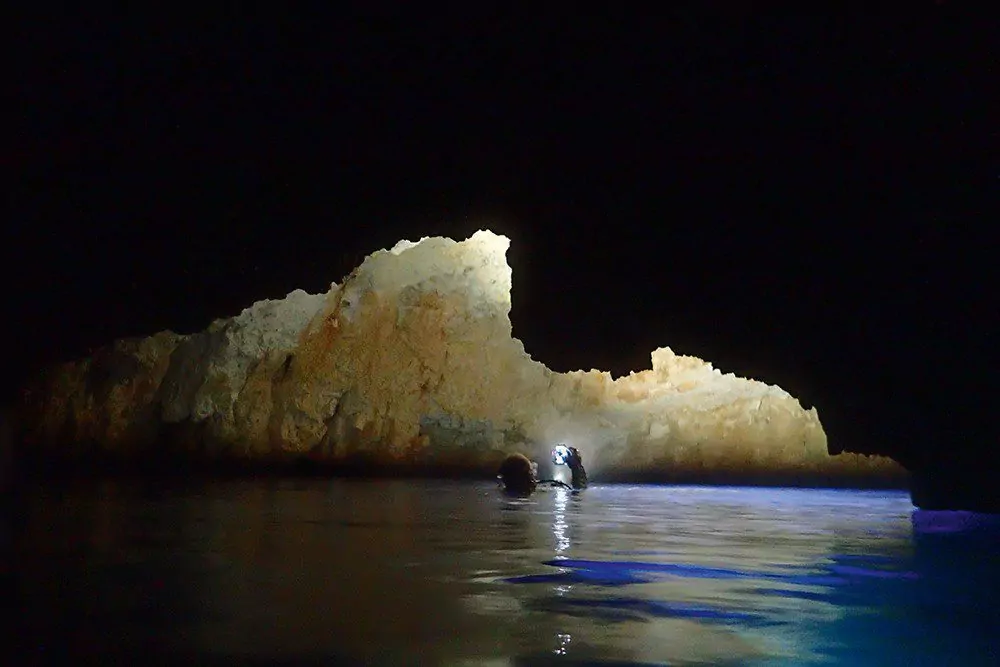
(350, 572)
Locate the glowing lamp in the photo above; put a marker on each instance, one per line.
(560, 455)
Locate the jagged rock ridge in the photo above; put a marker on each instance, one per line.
(412, 361)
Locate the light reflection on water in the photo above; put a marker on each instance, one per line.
(455, 573)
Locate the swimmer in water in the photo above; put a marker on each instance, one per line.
(518, 475)
(570, 456)
(579, 473)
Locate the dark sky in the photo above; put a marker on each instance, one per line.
(803, 198)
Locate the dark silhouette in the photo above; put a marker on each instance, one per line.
(517, 475)
(575, 463)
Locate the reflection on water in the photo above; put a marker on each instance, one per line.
(455, 573)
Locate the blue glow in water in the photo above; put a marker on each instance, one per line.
(381, 572)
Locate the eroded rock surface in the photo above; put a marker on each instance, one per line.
(412, 361)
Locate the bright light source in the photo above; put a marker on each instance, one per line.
(560, 455)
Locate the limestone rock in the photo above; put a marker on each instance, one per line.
(412, 361)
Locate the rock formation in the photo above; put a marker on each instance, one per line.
(411, 361)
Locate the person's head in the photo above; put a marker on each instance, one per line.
(517, 475)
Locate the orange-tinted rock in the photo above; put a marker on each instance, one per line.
(411, 360)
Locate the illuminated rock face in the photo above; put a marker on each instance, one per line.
(411, 361)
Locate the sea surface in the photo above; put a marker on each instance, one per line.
(307, 571)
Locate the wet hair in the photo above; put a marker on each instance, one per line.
(517, 475)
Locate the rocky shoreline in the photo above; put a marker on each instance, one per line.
(409, 368)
